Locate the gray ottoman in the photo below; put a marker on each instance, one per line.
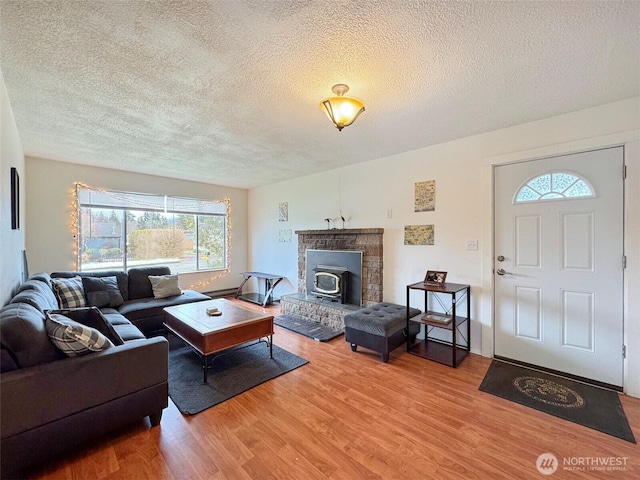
(381, 327)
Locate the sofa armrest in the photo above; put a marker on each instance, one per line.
(37, 395)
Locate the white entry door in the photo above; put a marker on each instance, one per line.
(558, 263)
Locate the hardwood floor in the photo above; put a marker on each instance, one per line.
(347, 415)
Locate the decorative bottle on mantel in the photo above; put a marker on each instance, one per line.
(342, 218)
(328, 220)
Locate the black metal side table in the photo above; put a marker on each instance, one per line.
(451, 316)
(270, 282)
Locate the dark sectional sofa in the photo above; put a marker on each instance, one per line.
(50, 403)
(139, 307)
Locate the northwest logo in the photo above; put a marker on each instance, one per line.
(547, 463)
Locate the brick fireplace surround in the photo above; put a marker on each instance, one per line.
(365, 240)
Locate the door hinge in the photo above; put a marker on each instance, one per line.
(624, 172)
(624, 262)
(624, 351)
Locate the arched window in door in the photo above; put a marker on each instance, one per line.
(554, 186)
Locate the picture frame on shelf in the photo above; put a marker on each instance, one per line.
(434, 277)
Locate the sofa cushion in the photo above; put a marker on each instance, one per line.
(129, 332)
(139, 283)
(102, 291)
(114, 317)
(149, 307)
(164, 286)
(123, 278)
(42, 277)
(23, 333)
(73, 338)
(126, 330)
(69, 292)
(37, 294)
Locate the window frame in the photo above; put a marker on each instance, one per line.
(558, 195)
(186, 205)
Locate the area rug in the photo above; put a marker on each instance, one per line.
(232, 372)
(306, 327)
(577, 402)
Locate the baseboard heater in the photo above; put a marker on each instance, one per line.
(226, 292)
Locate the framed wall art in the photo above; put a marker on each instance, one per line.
(425, 196)
(283, 212)
(15, 199)
(285, 236)
(418, 235)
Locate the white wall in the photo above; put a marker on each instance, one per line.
(11, 241)
(462, 170)
(51, 241)
(632, 280)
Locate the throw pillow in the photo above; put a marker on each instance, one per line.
(73, 338)
(165, 285)
(91, 317)
(102, 291)
(69, 292)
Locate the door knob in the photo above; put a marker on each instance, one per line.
(501, 271)
(500, 258)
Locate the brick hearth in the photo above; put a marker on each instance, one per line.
(322, 311)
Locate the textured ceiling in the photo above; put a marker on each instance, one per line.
(227, 92)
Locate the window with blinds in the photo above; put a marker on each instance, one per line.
(120, 230)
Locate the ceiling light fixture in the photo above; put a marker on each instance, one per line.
(341, 110)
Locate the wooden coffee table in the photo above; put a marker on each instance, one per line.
(208, 334)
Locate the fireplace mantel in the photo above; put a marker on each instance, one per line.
(341, 231)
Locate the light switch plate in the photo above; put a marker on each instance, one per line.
(472, 244)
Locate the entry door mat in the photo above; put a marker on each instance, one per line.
(306, 327)
(592, 407)
(232, 372)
